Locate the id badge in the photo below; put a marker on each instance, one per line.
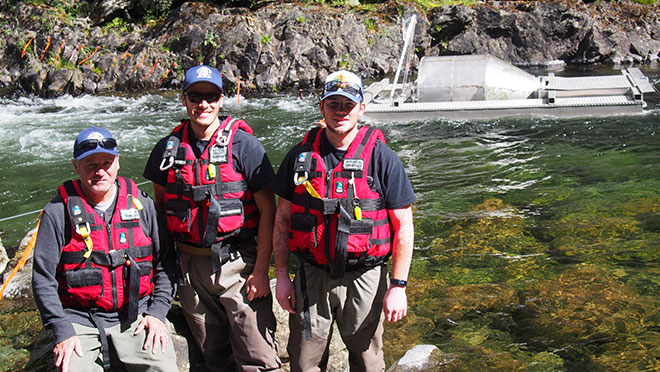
(129, 214)
(218, 154)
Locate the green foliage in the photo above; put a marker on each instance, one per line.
(265, 39)
(119, 24)
(370, 23)
(301, 19)
(210, 39)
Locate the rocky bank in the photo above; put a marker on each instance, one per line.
(100, 47)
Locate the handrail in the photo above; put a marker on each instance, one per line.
(408, 35)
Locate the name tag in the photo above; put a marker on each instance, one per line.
(129, 214)
(218, 154)
(353, 164)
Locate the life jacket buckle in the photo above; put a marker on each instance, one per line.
(224, 140)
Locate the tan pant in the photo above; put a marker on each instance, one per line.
(355, 302)
(128, 350)
(232, 332)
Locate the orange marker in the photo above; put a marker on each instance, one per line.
(90, 56)
(58, 53)
(26, 46)
(45, 49)
(156, 64)
(168, 72)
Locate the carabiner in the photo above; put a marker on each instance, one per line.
(164, 167)
(300, 180)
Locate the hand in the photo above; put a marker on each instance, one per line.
(63, 351)
(395, 304)
(257, 285)
(156, 333)
(286, 294)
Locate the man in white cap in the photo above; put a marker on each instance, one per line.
(100, 278)
(344, 208)
(211, 179)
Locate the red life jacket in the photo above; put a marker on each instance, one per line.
(206, 199)
(118, 270)
(346, 223)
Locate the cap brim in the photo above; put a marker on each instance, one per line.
(97, 150)
(342, 93)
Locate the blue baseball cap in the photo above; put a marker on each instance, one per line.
(94, 140)
(202, 73)
(343, 83)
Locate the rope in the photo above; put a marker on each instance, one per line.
(39, 210)
(23, 259)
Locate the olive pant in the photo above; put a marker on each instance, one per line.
(127, 349)
(355, 302)
(231, 332)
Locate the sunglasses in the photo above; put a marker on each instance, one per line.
(199, 97)
(337, 85)
(91, 144)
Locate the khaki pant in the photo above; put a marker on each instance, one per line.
(232, 332)
(355, 302)
(126, 347)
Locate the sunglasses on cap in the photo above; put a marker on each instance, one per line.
(199, 97)
(348, 87)
(91, 144)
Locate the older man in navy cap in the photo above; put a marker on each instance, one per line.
(344, 209)
(100, 278)
(211, 179)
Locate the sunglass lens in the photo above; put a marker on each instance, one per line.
(198, 98)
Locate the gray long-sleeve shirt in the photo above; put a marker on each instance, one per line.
(55, 232)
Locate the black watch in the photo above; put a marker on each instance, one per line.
(398, 282)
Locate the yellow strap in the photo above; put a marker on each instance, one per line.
(137, 203)
(82, 230)
(310, 190)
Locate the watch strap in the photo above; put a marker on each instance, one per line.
(399, 282)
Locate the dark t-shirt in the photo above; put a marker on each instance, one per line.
(389, 176)
(248, 157)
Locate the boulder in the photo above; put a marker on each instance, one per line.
(422, 358)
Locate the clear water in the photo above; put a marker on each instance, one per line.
(537, 240)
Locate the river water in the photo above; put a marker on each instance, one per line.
(537, 240)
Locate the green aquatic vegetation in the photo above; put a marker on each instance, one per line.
(398, 337)
(17, 332)
(586, 312)
(492, 244)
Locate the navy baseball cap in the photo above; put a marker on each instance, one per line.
(202, 73)
(94, 140)
(343, 83)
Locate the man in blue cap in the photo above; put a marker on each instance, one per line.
(344, 209)
(100, 278)
(211, 179)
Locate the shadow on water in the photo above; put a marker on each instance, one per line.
(536, 239)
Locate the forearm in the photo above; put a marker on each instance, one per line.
(265, 201)
(281, 238)
(44, 284)
(404, 236)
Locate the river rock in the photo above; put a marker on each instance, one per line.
(422, 358)
(21, 284)
(3, 257)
